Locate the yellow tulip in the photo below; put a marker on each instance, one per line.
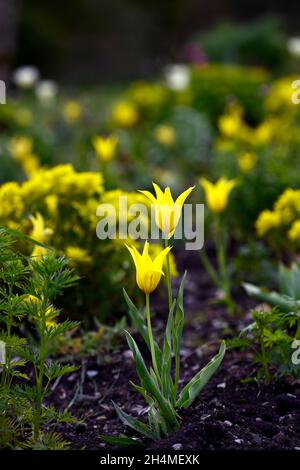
(217, 194)
(167, 211)
(148, 271)
(105, 147)
(39, 233)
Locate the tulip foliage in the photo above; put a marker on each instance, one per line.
(159, 386)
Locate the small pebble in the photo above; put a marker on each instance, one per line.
(128, 354)
(91, 373)
(222, 385)
(177, 446)
(238, 441)
(228, 423)
(297, 448)
(258, 420)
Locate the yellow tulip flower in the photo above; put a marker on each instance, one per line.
(148, 271)
(167, 211)
(217, 194)
(39, 233)
(105, 147)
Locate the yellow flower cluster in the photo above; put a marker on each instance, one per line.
(64, 198)
(285, 217)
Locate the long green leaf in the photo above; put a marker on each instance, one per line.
(26, 238)
(194, 387)
(148, 383)
(166, 378)
(285, 304)
(134, 423)
(120, 441)
(178, 330)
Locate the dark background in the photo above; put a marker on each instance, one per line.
(92, 41)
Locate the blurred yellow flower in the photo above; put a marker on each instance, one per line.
(294, 232)
(105, 147)
(72, 111)
(125, 114)
(167, 211)
(20, 147)
(78, 255)
(52, 204)
(148, 271)
(165, 135)
(247, 162)
(230, 123)
(267, 221)
(39, 233)
(217, 194)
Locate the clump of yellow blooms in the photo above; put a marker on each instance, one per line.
(72, 111)
(165, 135)
(125, 114)
(267, 221)
(283, 222)
(11, 203)
(247, 162)
(105, 147)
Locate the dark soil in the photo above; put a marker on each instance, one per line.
(229, 413)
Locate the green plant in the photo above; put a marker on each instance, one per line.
(273, 331)
(28, 288)
(270, 337)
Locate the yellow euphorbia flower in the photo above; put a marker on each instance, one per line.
(125, 114)
(39, 233)
(105, 147)
(72, 111)
(294, 232)
(217, 194)
(247, 162)
(267, 221)
(167, 211)
(148, 271)
(165, 135)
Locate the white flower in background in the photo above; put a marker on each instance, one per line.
(177, 77)
(293, 46)
(2, 352)
(26, 77)
(46, 90)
